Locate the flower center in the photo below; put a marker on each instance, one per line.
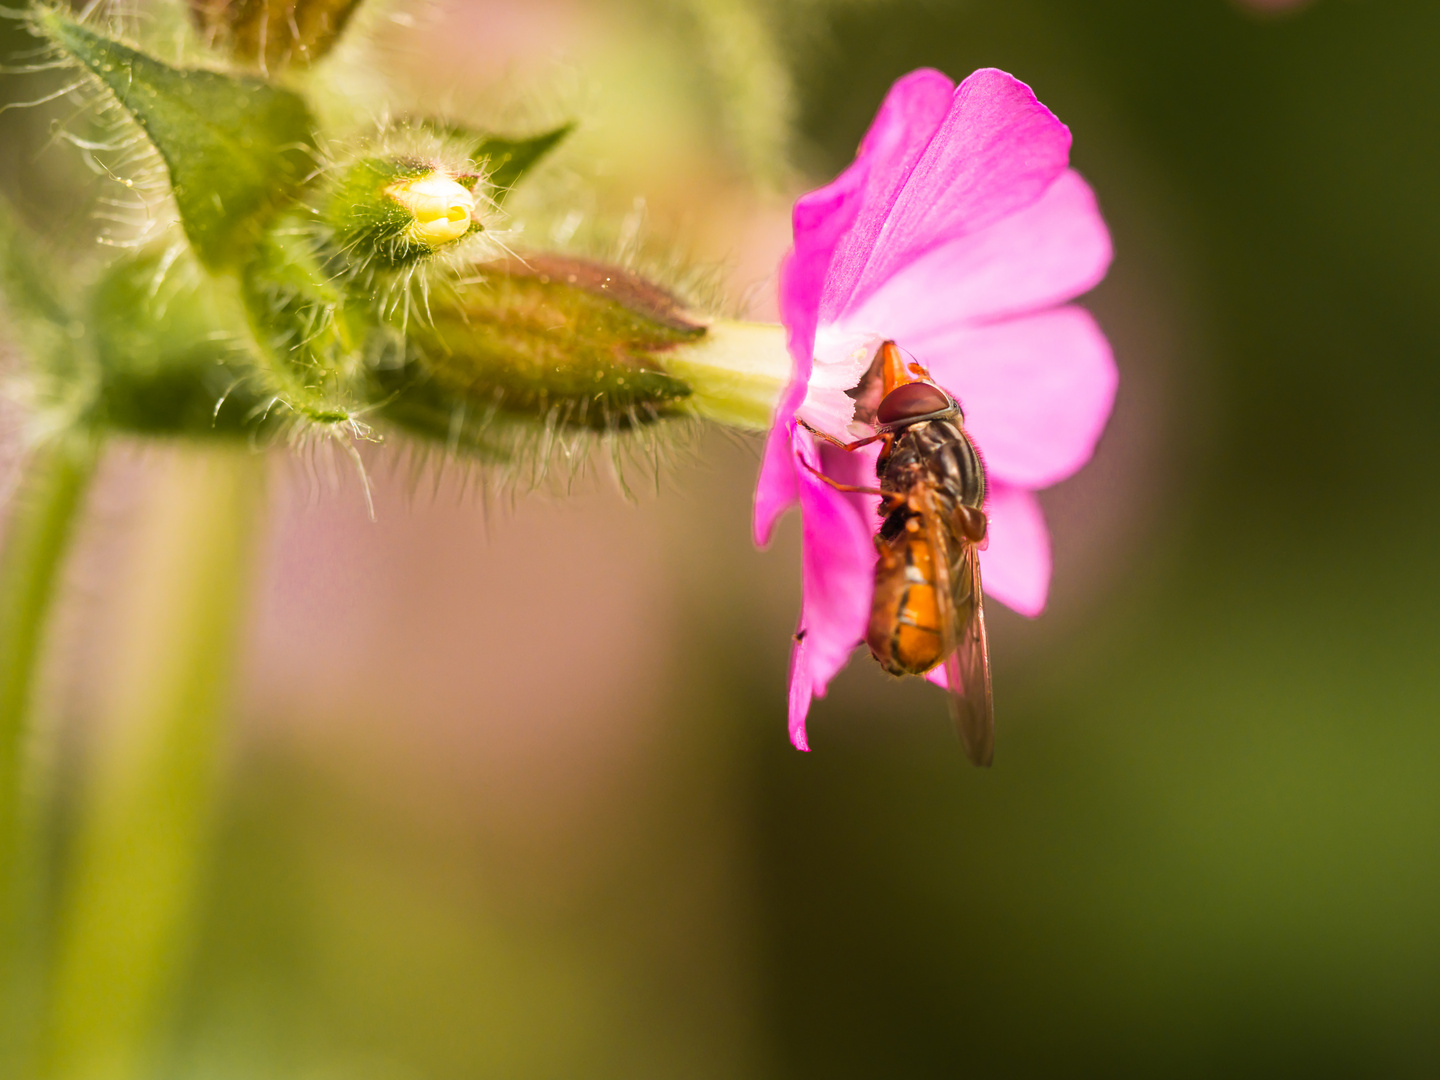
(842, 357)
(443, 208)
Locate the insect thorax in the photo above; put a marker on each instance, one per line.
(936, 452)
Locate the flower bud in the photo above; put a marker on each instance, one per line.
(443, 209)
(560, 340)
(392, 212)
(576, 344)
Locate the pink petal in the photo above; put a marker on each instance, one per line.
(997, 151)
(839, 569)
(819, 220)
(1049, 252)
(776, 489)
(912, 112)
(802, 690)
(1036, 390)
(1015, 567)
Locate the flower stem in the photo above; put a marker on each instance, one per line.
(135, 869)
(41, 521)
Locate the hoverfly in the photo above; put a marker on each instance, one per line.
(928, 609)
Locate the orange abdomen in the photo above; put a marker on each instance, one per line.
(904, 631)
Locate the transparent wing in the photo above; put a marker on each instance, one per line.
(967, 657)
(968, 672)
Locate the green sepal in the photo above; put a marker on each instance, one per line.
(236, 147)
(311, 336)
(287, 32)
(172, 351)
(508, 160)
(555, 340)
(505, 160)
(421, 407)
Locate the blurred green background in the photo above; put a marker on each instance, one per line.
(510, 793)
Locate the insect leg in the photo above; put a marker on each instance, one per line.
(883, 436)
(851, 488)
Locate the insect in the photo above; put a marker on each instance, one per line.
(928, 608)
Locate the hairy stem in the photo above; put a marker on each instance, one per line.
(138, 859)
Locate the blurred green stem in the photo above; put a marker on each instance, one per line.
(42, 517)
(138, 858)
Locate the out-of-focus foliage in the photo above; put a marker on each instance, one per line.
(153, 318)
(120, 933)
(274, 33)
(506, 160)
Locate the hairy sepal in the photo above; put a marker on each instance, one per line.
(172, 351)
(561, 341)
(311, 334)
(236, 147)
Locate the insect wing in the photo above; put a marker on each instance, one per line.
(967, 670)
(967, 658)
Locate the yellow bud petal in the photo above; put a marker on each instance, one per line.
(442, 207)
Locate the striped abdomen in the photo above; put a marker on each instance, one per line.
(904, 631)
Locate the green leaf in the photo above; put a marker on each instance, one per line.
(236, 147)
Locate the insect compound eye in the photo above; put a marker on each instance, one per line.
(910, 401)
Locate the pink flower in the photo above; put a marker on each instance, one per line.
(957, 232)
